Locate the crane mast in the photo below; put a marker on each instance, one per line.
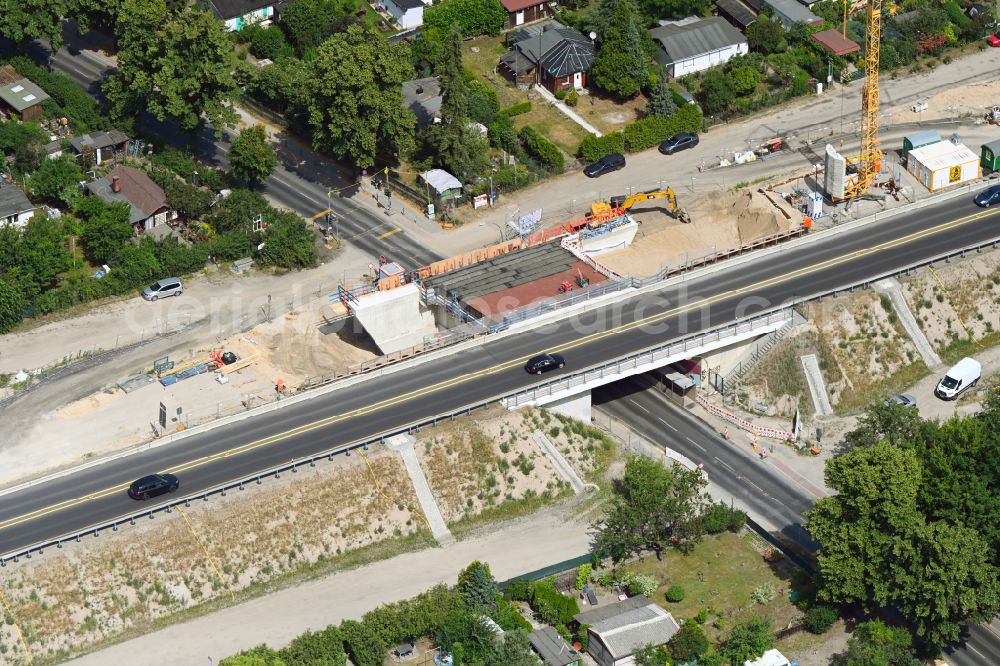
(870, 160)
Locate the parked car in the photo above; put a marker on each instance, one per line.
(153, 485)
(904, 399)
(988, 197)
(606, 164)
(994, 39)
(679, 142)
(163, 288)
(543, 363)
(964, 375)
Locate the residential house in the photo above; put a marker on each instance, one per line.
(615, 632)
(769, 658)
(20, 95)
(104, 145)
(553, 649)
(423, 98)
(549, 53)
(15, 209)
(690, 46)
(146, 199)
(407, 13)
(520, 12)
(239, 13)
(834, 41)
(739, 14)
(789, 12)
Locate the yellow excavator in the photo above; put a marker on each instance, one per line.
(623, 204)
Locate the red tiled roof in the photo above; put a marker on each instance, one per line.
(518, 5)
(835, 42)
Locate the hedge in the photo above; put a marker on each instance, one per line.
(545, 594)
(542, 149)
(517, 109)
(641, 134)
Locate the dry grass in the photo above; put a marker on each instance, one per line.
(610, 114)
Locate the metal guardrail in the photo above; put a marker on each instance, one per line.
(646, 356)
(564, 300)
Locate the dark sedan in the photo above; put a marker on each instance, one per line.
(679, 142)
(988, 197)
(153, 485)
(543, 363)
(606, 164)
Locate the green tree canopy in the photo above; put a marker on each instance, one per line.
(251, 157)
(12, 304)
(56, 181)
(621, 66)
(748, 641)
(473, 17)
(316, 648)
(874, 643)
(288, 242)
(688, 643)
(24, 20)
(107, 232)
(653, 655)
(717, 93)
(653, 508)
(356, 102)
(674, 9)
(308, 22)
(237, 211)
(765, 35)
(258, 656)
(478, 588)
(661, 102)
(181, 70)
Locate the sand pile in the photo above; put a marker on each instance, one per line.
(719, 221)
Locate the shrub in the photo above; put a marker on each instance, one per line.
(675, 593)
(572, 97)
(509, 618)
(270, 43)
(648, 132)
(542, 149)
(582, 576)
(688, 644)
(483, 103)
(552, 606)
(320, 648)
(594, 147)
(762, 594)
(719, 517)
(517, 109)
(820, 618)
(519, 589)
(583, 636)
(639, 584)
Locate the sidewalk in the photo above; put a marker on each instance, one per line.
(512, 549)
(568, 112)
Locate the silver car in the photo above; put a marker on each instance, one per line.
(162, 288)
(904, 399)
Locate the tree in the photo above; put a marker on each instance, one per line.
(621, 65)
(288, 242)
(765, 35)
(251, 157)
(473, 17)
(745, 79)
(460, 627)
(180, 71)
(661, 102)
(107, 232)
(258, 656)
(874, 643)
(355, 97)
(653, 508)
(674, 9)
(748, 641)
(820, 617)
(652, 655)
(24, 20)
(308, 22)
(886, 421)
(717, 92)
(513, 650)
(56, 181)
(478, 588)
(319, 648)
(12, 304)
(269, 42)
(238, 211)
(688, 643)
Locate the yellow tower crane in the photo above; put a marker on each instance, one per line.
(869, 161)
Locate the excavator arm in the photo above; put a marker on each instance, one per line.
(600, 208)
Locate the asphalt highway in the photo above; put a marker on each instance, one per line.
(383, 403)
(767, 494)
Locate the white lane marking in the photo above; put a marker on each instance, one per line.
(725, 465)
(638, 405)
(666, 424)
(700, 447)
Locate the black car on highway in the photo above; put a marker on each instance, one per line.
(988, 197)
(679, 142)
(606, 164)
(153, 485)
(543, 363)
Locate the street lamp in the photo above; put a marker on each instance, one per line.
(329, 211)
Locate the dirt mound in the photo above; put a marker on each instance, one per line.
(754, 214)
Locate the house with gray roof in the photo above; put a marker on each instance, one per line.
(146, 200)
(553, 649)
(423, 98)
(104, 145)
(690, 46)
(15, 209)
(790, 12)
(548, 53)
(615, 632)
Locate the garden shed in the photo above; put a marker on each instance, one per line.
(942, 165)
(445, 185)
(989, 157)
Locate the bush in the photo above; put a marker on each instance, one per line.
(542, 149)
(594, 147)
(820, 618)
(560, 94)
(649, 132)
(556, 608)
(517, 109)
(483, 103)
(501, 133)
(582, 576)
(270, 43)
(636, 584)
(509, 618)
(688, 644)
(719, 517)
(675, 594)
(583, 636)
(572, 97)
(519, 589)
(320, 648)
(473, 17)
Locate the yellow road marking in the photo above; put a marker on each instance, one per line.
(485, 372)
(389, 233)
(319, 214)
(17, 627)
(945, 290)
(208, 556)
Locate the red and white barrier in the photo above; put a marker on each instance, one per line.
(743, 424)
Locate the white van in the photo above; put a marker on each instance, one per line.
(964, 375)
